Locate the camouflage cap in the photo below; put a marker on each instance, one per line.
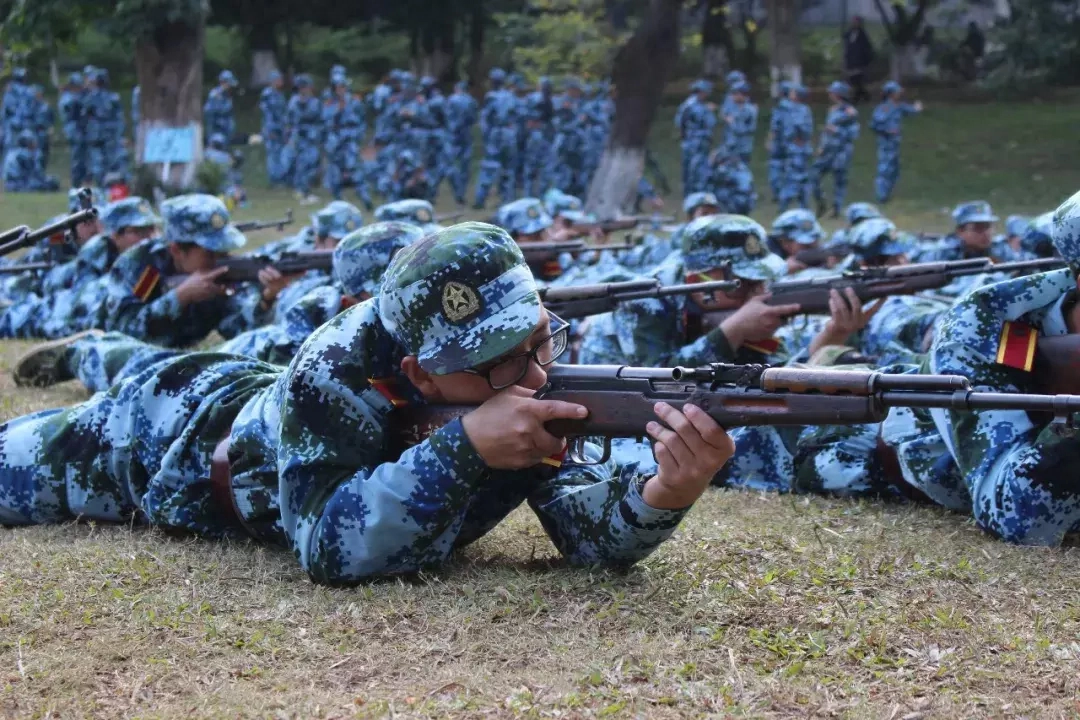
(227, 76)
(695, 200)
(75, 78)
(362, 256)
(524, 217)
(337, 220)
(556, 202)
(1017, 225)
(97, 199)
(416, 212)
(878, 236)
(497, 75)
(890, 88)
(716, 240)
(1067, 230)
(26, 138)
(129, 212)
(302, 81)
(202, 220)
(857, 212)
(702, 86)
(459, 298)
(799, 225)
(973, 212)
(1038, 236)
(735, 77)
(841, 89)
(741, 86)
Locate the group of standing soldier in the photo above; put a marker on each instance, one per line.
(797, 168)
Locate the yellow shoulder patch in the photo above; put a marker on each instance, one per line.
(1016, 348)
(146, 283)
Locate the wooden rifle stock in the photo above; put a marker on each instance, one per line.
(254, 225)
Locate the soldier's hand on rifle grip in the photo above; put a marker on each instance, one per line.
(848, 317)
(755, 321)
(508, 433)
(689, 452)
(200, 286)
(273, 282)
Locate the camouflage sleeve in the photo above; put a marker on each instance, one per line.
(594, 516)
(125, 312)
(350, 516)
(1021, 475)
(649, 338)
(244, 311)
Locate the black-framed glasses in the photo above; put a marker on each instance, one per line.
(508, 371)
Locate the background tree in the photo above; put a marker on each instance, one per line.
(717, 43)
(903, 24)
(640, 72)
(785, 59)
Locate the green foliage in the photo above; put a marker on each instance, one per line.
(1038, 45)
(211, 178)
(560, 37)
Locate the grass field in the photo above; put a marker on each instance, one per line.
(761, 606)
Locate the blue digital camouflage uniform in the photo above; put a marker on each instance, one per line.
(660, 332)
(97, 128)
(218, 109)
(499, 123)
(138, 298)
(100, 361)
(886, 122)
(740, 120)
(539, 136)
(854, 214)
(71, 121)
(415, 212)
(217, 152)
(797, 179)
(567, 170)
(116, 153)
(24, 169)
(407, 179)
(345, 124)
(779, 121)
(308, 448)
(731, 80)
(1009, 469)
(732, 182)
(43, 118)
(837, 147)
(332, 223)
(439, 158)
(951, 247)
(272, 106)
(303, 120)
(695, 120)
(136, 99)
(1037, 240)
(461, 115)
(14, 106)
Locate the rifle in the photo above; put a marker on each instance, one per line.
(246, 268)
(253, 225)
(812, 295)
(446, 217)
(61, 227)
(623, 223)
(25, 267)
(816, 257)
(621, 399)
(538, 253)
(580, 301)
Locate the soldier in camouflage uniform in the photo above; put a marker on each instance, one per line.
(140, 300)
(1011, 470)
(217, 444)
(414, 212)
(972, 237)
(100, 360)
(792, 232)
(332, 223)
(854, 214)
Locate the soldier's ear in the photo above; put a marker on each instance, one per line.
(420, 378)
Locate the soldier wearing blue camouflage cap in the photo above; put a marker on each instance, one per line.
(272, 109)
(556, 201)
(886, 123)
(792, 232)
(695, 121)
(1009, 247)
(740, 122)
(140, 300)
(100, 360)
(837, 147)
(779, 120)
(854, 214)
(1013, 472)
(24, 169)
(303, 131)
(220, 444)
(1037, 239)
(499, 124)
(218, 110)
(462, 113)
(420, 213)
(971, 238)
(72, 115)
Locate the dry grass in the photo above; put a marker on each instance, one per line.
(761, 605)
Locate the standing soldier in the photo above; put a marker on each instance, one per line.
(435, 151)
(272, 105)
(218, 110)
(740, 120)
(886, 123)
(498, 126)
(461, 116)
(72, 120)
(837, 147)
(304, 123)
(539, 136)
(774, 144)
(733, 78)
(695, 120)
(43, 120)
(566, 171)
(96, 127)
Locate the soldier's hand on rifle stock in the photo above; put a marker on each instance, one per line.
(848, 317)
(755, 321)
(508, 429)
(200, 286)
(689, 452)
(273, 283)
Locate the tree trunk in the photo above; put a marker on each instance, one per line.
(169, 68)
(640, 72)
(477, 21)
(263, 42)
(785, 61)
(902, 65)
